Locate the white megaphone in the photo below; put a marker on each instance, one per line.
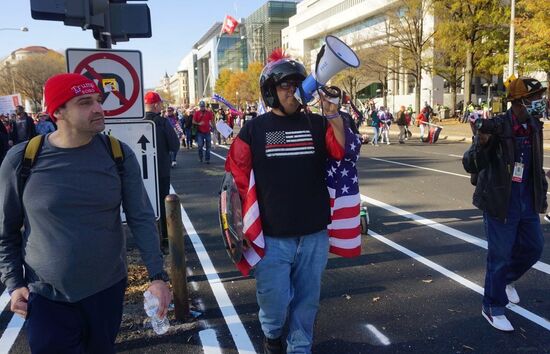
(330, 61)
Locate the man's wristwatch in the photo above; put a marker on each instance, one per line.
(160, 276)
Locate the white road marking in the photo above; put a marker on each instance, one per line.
(10, 333)
(543, 267)
(422, 168)
(459, 279)
(381, 337)
(238, 332)
(4, 299)
(419, 167)
(209, 342)
(14, 326)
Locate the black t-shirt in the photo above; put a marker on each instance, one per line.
(289, 158)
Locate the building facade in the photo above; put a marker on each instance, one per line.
(360, 24)
(263, 28)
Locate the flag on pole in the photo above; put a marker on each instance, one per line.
(229, 25)
(261, 107)
(221, 99)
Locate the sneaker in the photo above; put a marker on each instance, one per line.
(208, 162)
(388, 143)
(512, 294)
(273, 346)
(499, 322)
(547, 217)
(174, 163)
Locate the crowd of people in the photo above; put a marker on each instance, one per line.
(20, 126)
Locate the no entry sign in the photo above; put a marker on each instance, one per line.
(117, 73)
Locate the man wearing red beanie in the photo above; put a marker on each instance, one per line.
(167, 142)
(66, 272)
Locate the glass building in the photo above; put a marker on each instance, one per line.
(263, 28)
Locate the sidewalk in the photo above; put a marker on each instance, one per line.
(452, 131)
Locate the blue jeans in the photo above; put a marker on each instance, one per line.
(173, 155)
(188, 138)
(375, 133)
(513, 248)
(288, 283)
(201, 139)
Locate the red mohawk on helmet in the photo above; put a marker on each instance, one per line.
(277, 54)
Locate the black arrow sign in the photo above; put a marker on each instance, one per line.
(143, 141)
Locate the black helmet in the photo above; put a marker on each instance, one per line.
(277, 72)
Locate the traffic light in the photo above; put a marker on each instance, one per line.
(120, 20)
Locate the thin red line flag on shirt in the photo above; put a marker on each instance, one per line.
(229, 25)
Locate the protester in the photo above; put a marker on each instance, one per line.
(421, 121)
(23, 127)
(188, 128)
(62, 248)
(385, 122)
(375, 124)
(402, 124)
(44, 126)
(167, 142)
(294, 202)
(204, 121)
(175, 124)
(4, 138)
(511, 188)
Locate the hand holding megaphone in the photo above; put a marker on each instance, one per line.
(333, 57)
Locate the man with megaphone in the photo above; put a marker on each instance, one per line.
(279, 165)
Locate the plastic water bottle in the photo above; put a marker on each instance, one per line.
(151, 306)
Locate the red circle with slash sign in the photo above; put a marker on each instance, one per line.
(85, 65)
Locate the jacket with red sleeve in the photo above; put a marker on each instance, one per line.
(288, 155)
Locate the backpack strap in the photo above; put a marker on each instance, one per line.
(115, 148)
(32, 149)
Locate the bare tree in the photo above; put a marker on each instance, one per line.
(406, 34)
(29, 75)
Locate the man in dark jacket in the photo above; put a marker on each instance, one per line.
(167, 141)
(511, 190)
(22, 128)
(4, 137)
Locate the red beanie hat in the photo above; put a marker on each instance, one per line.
(62, 87)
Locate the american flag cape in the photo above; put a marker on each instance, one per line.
(345, 228)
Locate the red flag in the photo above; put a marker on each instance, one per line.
(229, 25)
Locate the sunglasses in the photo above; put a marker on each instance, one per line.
(286, 85)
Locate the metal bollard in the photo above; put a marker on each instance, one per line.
(178, 276)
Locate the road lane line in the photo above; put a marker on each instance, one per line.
(425, 168)
(381, 337)
(544, 323)
(236, 328)
(209, 342)
(543, 267)
(14, 326)
(10, 333)
(419, 167)
(4, 299)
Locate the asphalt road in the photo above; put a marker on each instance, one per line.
(416, 287)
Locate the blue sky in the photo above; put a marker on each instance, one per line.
(176, 26)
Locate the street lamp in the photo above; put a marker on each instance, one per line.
(430, 90)
(488, 85)
(22, 29)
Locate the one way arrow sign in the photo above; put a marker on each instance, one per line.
(140, 136)
(143, 141)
